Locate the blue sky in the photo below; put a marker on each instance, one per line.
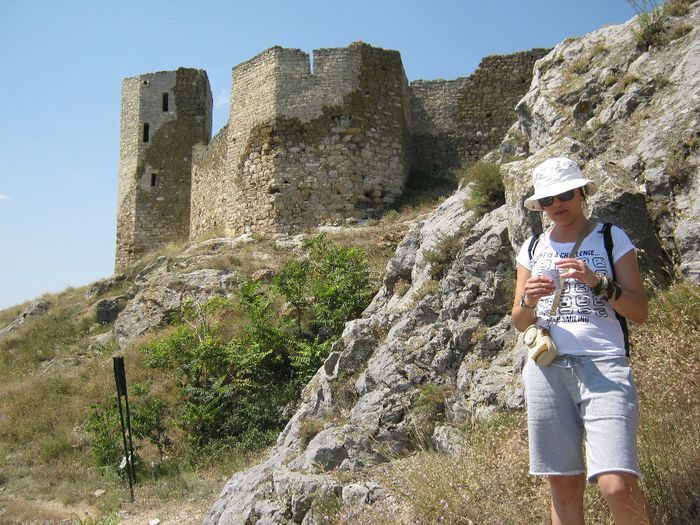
(63, 61)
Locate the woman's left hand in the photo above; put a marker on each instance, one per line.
(577, 269)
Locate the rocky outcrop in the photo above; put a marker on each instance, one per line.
(434, 333)
(631, 118)
(33, 309)
(159, 290)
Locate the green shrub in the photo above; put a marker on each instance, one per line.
(225, 385)
(292, 281)
(147, 415)
(340, 285)
(487, 190)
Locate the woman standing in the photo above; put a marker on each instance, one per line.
(587, 392)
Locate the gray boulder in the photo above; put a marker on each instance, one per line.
(160, 290)
(35, 308)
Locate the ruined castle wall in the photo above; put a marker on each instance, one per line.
(302, 147)
(248, 170)
(456, 122)
(336, 143)
(353, 160)
(208, 205)
(163, 116)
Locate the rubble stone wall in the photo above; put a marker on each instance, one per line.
(455, 122)
(209, 203)
(335, 147)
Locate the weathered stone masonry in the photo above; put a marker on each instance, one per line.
(163, 116)
(301, 148)
(454, 122)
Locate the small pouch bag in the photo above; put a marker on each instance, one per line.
(540, 345)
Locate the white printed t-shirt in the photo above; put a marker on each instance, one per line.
(585, 324)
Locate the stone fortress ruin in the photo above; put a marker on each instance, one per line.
(301, 148)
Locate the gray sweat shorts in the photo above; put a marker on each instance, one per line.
(579, 398)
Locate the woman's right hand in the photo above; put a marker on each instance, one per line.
(536, 287)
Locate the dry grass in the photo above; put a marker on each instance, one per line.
(487, 483)
(9, 314)
(48, 382)
(677, 7)
(667, 368)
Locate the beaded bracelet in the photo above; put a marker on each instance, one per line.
(608, 288)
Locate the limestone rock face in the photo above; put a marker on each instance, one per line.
(159, 290)
(436, 332)
(35, 308)
(632, 120)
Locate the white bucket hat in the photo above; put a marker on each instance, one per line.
(555, 176)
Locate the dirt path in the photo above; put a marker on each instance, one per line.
(16, 510)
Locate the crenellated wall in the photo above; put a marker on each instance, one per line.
(302, 148)
(336, 148)
(306, 148)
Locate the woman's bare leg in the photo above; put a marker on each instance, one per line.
(567, 499)
(625, 499)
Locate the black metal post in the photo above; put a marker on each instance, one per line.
(120, 380)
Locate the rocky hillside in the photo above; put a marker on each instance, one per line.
(629, 113)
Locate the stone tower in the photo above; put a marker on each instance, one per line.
(163, 115)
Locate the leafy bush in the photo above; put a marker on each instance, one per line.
(147, 415)
(241, 390)
(487, 190)
(224, 386)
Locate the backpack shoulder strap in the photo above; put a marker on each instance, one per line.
(608, 242)
(532, 245)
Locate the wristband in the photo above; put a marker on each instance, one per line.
(523, 304)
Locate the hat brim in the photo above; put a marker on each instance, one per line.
(555, 189)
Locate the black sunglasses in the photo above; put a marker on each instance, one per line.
(547, 201)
